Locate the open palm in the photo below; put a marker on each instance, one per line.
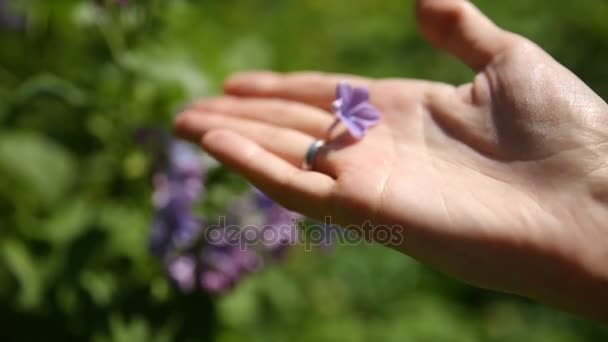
(487, 181)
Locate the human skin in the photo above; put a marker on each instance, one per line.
(501, 182)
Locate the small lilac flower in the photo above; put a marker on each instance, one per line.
(214, 282)
(279, 224)
(187, 169)
(177, 187)
(246, 259)
(352, 107)
(182, 270)
(224, 265)
(223, 262)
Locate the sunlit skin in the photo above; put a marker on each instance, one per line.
(501, 182)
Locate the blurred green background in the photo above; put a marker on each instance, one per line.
(79, 79)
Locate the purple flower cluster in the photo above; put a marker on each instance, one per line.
(178, 239)
(177, 188)
(276, 227)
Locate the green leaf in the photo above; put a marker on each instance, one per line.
(32, 165)
(169, 68)
(250, 52)
(67, 223)
(127, 230)
(135, 329)
(23, 267)
(100, 285)
(51, 85)
(241, 307)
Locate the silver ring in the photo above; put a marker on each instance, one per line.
(309, 158)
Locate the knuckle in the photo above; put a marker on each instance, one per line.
(456, 13)
(273, 135)
(443, 19)
(212, 104)
(183, 121)
(282, 106)
(251, 154)
(309, 77)
(451, 21)
(525, 46)
(522, 51)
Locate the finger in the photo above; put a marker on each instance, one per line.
(459, 27)
(281, 113)
(303, 191)
(285, 143)
(313, 88)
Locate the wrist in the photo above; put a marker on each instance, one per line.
(574, 274)
(592, 246)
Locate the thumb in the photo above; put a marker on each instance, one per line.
(460, 28)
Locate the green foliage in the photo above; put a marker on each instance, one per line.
(34, 167)
(78, 82)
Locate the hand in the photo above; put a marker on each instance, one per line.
(502, 182)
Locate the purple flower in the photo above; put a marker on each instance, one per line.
(214, 282)
(174, 225)
(352, 107)
(177, 188)
(279, 224)
(230, 265)
(187, 170)
(182, 270)
(225, 263)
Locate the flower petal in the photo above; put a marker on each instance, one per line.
(359, 96)
(344, 92)
(356, 131)
(366, 114)
(214, 282)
